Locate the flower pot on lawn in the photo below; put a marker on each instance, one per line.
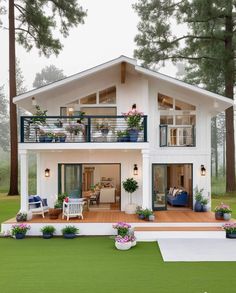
(47, 235)
(20, 235)
(123, 246)
(69, 235)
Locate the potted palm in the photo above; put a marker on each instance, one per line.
(130, 186)
(48, 231)
(70, 232)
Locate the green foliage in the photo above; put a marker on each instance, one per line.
(70, 230)
(198, 194)
(130, 185)
(37, 23)
(48, 75)
(48, 229)
(4, 121)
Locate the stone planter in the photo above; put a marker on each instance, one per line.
(227, 216)
(151, 218)
(133, 243)
(204, 208)
(231, 235)
(105, 131)
(219, 216)
(123, 246)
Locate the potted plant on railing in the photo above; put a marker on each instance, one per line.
(130, 185)
(48, 231)
(49, 136)
(230, 229)
(104, 127)
(122, 136)
(70, 232)
(134, 122)
(19, 230)
(41, 119)
(61, 136)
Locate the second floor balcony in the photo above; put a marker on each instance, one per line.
(81, 129)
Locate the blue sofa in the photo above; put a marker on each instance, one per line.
(180, 199)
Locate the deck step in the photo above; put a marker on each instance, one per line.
(148, 229)
(196, 232)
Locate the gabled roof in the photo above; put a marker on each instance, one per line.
(119, 60)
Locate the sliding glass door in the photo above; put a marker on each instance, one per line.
(70, 179)
(159, 183)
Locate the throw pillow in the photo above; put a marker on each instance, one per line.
(37, 199)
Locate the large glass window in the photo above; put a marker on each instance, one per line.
(177, 122)
(90, 99)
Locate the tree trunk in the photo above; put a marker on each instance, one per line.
(229, 92)
(13, 114)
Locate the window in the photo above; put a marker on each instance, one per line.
(177, 122)
(90, 99)
(107, 96)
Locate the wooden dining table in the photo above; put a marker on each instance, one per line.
(86, 196)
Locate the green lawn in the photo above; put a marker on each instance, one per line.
(92, 264)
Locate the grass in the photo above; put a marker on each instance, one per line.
(92, 264)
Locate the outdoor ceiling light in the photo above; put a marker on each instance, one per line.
(70, 111)
(47, 172)
(203, 170)
(135, 169)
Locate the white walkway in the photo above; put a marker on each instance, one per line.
(197, 250)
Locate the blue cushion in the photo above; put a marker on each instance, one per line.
(37, 198)
(31, 198)
(45, 202)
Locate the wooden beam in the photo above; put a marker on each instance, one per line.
(122, 72)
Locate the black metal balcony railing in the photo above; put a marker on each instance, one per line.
(56, 129)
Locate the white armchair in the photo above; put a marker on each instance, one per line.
(37, 206)
(72, 209)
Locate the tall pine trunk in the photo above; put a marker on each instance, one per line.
(13, 190)
(229, 92)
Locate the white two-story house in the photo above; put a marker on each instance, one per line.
(85, 141)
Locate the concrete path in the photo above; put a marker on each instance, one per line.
(197, 250)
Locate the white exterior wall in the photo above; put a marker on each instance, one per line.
(142, 91)
(127, 159)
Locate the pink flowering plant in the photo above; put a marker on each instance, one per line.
(134, 118)
(122, 228)
(223, 208)
(19, 229)
(126, 238)
(230, 227)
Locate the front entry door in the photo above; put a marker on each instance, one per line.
(159, 187)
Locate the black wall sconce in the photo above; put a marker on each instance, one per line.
(203, 170)
(47, 172)
(135, 169)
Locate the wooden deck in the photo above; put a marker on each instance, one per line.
(115, 216)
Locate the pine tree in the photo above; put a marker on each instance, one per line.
(208, 45)
(47, 75)
(31, 23)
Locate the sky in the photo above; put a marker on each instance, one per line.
(108, 32)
